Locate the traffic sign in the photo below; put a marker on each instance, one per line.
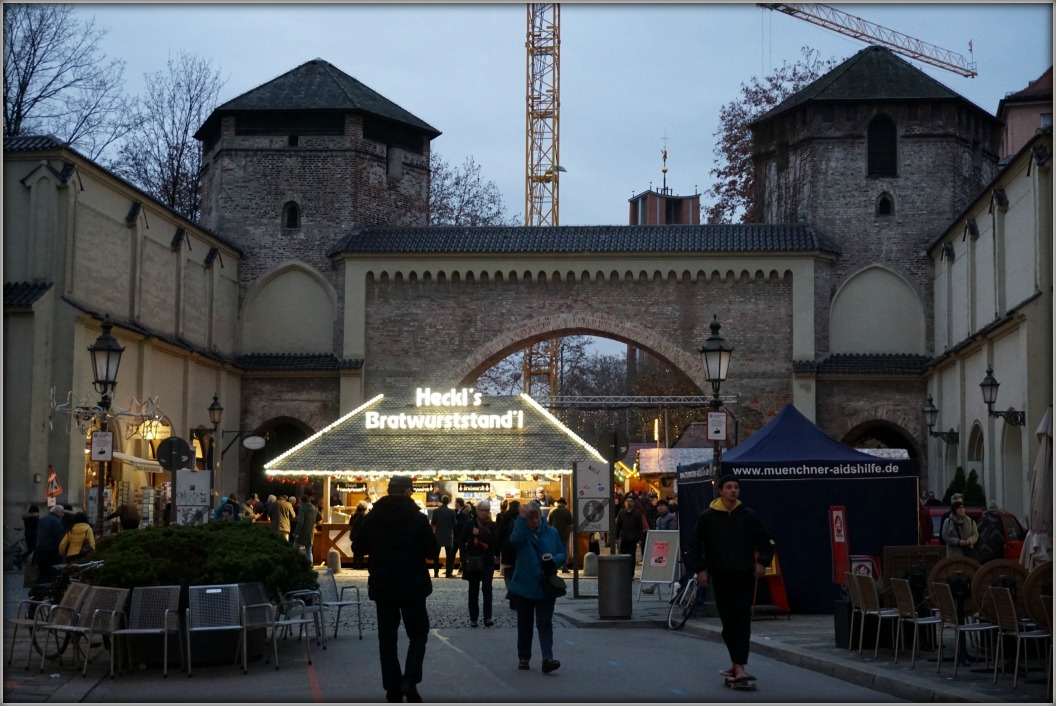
(53, 488)
(592, 514)
(612, 445)
(174, 453)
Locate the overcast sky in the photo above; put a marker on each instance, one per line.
(630, 73)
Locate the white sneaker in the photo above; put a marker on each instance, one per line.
(676, 587)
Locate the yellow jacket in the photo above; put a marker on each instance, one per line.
(71, 544)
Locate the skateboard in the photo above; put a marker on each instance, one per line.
(746, 682)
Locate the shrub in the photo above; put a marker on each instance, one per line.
(217, 552)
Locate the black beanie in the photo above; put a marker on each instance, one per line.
(723, 480)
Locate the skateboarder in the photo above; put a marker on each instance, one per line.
(731, 544)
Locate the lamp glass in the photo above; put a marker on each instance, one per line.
(216, 412)
(989, 387)
(716, 354)
(106, 359)
(931, 413)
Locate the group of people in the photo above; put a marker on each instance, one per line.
(400, 542)
(59, 536)
(640, 513)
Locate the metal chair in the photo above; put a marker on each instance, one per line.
(30, 613)
(942, 595)
(334, 599)
(856, 605)
(277, 618)
(312, 599)
(155, 612)
(1008, 626)
(907, 613)
(101, 612)
(871, 606)
(212, 609)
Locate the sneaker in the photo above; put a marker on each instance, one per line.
(488, 622)
(523, 664)
(728, 673)
(472, 623)
(550, 665)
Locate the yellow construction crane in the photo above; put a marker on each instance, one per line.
(856, 27)
(543, 121)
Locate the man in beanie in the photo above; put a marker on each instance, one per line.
(399, 544)
(723, 549)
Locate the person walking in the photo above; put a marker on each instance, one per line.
(732, 547)
(30, 522)
(79, 541)
(959, 532)
(630, 526)
(539, 552)
(507, 552)
(399, 544)
(443, 524)
(477, 545)
(307, 516)
(353, 524)
(560, 518)
(50, 532)
(127, 516)
(282, 517)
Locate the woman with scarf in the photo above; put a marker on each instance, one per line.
(539, 551)
(959, 531)
(477, 547)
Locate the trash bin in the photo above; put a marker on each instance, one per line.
(615, 576)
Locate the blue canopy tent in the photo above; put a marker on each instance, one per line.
(791, 473)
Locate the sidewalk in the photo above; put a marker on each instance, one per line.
(804, 641)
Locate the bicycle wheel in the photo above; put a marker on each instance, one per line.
(682, 606)
(53, 649)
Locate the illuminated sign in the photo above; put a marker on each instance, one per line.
(474, 487)
(446, 420)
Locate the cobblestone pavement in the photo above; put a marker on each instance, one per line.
(803, 641)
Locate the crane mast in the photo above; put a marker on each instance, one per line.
(543, 105)
(856, 27)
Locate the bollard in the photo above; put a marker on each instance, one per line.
(615, 576)
(590, 564)
(333, 560)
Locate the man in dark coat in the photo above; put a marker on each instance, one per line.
(560, 518)
(630, 526)
(725, 541)
(444, 528)
(49, 534)
(399, 544)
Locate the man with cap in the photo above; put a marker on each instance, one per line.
(399, 544)
(726, 538)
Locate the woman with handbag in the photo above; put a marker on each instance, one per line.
(477, 545)
(79, 541)
(532, 587)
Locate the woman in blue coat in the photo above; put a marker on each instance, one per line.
(533, 540)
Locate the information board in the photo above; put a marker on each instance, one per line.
(660, 559)
(591, 480)
(191, 490)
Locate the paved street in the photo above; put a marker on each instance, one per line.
(612, 661)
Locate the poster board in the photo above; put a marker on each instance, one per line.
(191, 489)
(659, 559)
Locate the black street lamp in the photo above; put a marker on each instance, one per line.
(931, 415)
(716, 354)
(216, 415)
(106, 359)
(989, 387)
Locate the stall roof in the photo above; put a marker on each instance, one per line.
(655, 461)
(500, 436)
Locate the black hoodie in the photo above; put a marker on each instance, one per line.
(396, 539)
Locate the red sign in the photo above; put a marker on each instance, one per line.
(53, 488)
(841, 563)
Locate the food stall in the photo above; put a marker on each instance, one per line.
(468, 444)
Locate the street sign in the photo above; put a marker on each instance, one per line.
(254, 442)
(102, 446)
(53, 488)
(174, 453)
(612, 445)
(716, 426)
(592, 514)
(591, 479)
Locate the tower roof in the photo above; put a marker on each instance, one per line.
(316, 85)
(875, 74)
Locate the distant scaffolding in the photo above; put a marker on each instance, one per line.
(543, 114)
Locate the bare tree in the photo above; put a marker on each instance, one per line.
(58, 82)
(161, 154)
(461, 196)
(734, 189)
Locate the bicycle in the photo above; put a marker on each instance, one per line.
(16, 551)
(51, 593)
(683, 602)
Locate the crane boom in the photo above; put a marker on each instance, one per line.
(856, 27)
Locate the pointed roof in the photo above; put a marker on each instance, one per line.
(316, 85)
(427, 441)
(790, 437)
(875, 74)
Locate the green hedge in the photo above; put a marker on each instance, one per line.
(217, 552)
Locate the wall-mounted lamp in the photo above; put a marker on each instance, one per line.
(931, 415)
(989, 387)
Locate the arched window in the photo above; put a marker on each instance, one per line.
(291, 215)
(885, 205)
(883, 147)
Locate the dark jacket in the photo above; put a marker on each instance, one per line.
(630, 525)
(726, 540)
(560, 518)
(50, 532)
(481, 544)
(507, 552)
(444, 525)
(397, 539)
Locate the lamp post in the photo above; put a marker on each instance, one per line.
(989, 387)
(216, 415)
(931, 415)
(716, 354)
(106, 359)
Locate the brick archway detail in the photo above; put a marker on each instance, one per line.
(542, 327)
